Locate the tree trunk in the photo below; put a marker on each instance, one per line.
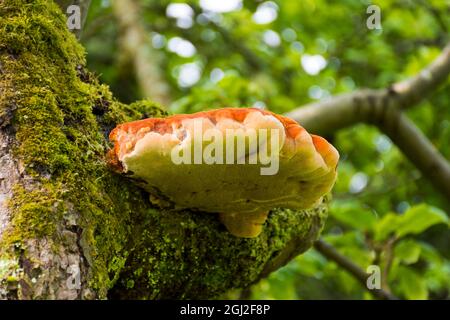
(70, 228)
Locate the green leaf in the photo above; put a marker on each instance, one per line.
(311, 263)
(411, 285)
(407, 251)
(352, 245)
(353, 214)
(414, 221)
(386, 226)
(419, 218)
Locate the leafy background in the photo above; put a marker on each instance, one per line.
(280, 55)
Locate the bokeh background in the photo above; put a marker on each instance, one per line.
(279, 55)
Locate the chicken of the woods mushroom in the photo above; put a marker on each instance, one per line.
(237, 162)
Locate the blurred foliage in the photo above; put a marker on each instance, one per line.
(282, 54)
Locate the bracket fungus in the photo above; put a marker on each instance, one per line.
(238, 162)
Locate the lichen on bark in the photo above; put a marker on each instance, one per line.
(188, 255)
(64, 213)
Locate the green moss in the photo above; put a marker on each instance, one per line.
(60, 140)
(183, 255)
(34, 218)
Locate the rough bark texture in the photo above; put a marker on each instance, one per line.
(72, 229)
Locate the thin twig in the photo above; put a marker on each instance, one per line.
(389, 254)
(331, 253)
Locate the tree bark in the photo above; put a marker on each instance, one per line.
(70, 228)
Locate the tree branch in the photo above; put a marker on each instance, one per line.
(418, 149)
(359, 106)
(413, 90)
(331, 253)
(382, 108)
(137, 47)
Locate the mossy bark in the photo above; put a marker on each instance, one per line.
(72, 229)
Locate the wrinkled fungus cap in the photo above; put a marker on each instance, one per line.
(168, 158)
